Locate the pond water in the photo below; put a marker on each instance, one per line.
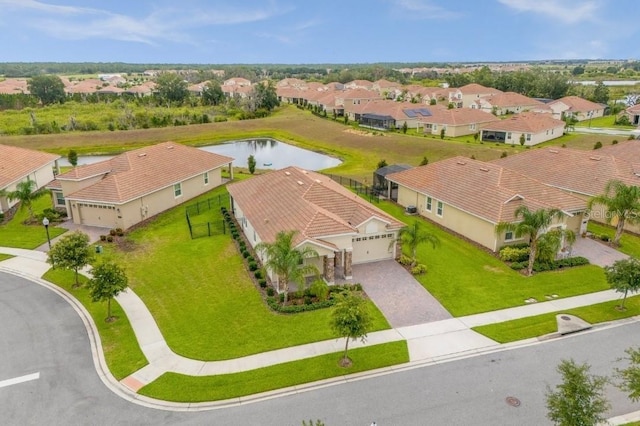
(269, 154)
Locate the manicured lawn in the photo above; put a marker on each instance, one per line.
(606, 121)
(5, 257)
(540, 325)
(202, 298)
(16, 234)
(180, 388)
(629, 244)
(121, 350)
(468, 280)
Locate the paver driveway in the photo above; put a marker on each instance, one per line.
(401, 299)
(598, 253)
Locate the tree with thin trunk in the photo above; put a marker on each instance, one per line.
(251, 163)
(71, 252)
(533, 224)
(108, 281)
(350, 319)
(25, 193)
(72, 156)
(413, 236)
(287, 261)
(622, 202)
(630, 376)
(624, 277)
(580, 399)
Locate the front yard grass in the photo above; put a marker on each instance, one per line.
(18, 235)
(181, 388)
(121, 350)
(540, 325)
(202, 297)
(468, 280)
(629, 243)
(5, 256)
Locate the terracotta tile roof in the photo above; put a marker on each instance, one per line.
(485, 190)
(397, 110)
(633, 108)
(474, 88)
(142, 171)
(12, 86)
(585, 172)
(307, 202)
(459, 116)
(363, 84)
(85, 86)
(509, 99)
(17, 163)
(527, 122)
(577, 104)
(237, 81)
(144, 88)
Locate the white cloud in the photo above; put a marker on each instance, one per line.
(422, 9)
(568, 11)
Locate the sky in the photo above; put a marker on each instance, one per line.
(317, 31)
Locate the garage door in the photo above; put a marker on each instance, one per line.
(372, 248)
(97, 215)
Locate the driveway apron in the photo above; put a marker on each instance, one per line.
(598, 253)
(401, 299)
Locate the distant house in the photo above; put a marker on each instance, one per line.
(472, 197)
(633, 112)
(12, 86)
(388, 114)
(506, 103)
(576, 107)
(531, 128)
(136, 185)
(457, 121)
(340, 226)
(20, 164)
(465, 96)
(380, 182)
(359, 84)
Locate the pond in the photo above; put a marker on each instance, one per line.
(269, 154)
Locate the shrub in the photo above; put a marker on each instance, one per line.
(270, 291)
(250, 259)
(112, 232)
(253, 266)
(405, 260)
(245, 253)
(419, 269)
(109, 238)
(604, 237)
(258, 274)
(514, 254)
(119, 232)
(319, 289)
(307, 300)
(518, 266)
(103, 238)
(262, 283)
(614, 142)
(281, 297)
(597, 145)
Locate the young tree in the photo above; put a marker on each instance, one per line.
(622, 202)
(624, 277)
(382, 163)
(48, 88)
(72, 156)
(171, 88)
(287, 261)
(532, 224)
(71, 252)
(212, 94)
(600, 93)
(25, 193)
(579, 399)
(108, 281)
(424, 161)
(350, 319)
(251, 163)
(522, 140)
(630, 376)
(414, 235)
(405, 127)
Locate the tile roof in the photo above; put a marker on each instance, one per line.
(459, 116)
(133, 174)
(585, 172)
(509, 99)
(310, 203)
(485, 190)
(527, 122)
(474, 88)
(577, 104)
(17, 163)
(633, 108)
(12, 86)
(397, 110)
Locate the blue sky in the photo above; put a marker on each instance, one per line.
(316, 31)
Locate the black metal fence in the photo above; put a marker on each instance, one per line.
(205, 218)
(371, 193)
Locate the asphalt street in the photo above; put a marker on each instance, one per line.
(42, 334)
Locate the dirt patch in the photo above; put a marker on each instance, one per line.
(493, 269)
(359, 132)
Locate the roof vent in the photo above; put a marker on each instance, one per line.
(553, 151)
(287, 173)
(300, 183)
(318, 181)
(144, 154)
(460, 162)
(595, 158)
(170, 147)
(484, 169)
(305, 172)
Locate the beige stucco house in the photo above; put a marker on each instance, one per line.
(576, 107)
(506, 103)
(536, 127)
(633, 112)
(340, 226)
(471, 197)
(20, 164)
(467, 95)
(138, 184)
(456, 121)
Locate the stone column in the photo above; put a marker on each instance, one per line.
(347, 265)
(329, 269)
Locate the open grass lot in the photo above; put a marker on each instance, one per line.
(629, 244)
(18, 235)
(468, 280)
(606, 121)
(121, 350)
(540, 325)
(180, 388)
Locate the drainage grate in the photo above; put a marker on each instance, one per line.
(512, 401)
(566, 318)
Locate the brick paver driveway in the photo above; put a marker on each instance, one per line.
(401, 299)
(597, 252)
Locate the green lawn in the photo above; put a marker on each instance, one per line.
(606, 121)
(540, 325)
(180, 388)
(202, 298)
(468, 280)
(629, 244)
(121, 350)
(16, 234)
(5, 257)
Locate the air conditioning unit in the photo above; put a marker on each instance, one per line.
(411, 210)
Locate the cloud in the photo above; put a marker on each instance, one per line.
(421, 9)
(567, 11)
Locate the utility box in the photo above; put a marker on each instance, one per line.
(98, 249)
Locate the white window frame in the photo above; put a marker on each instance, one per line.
(528, 137)
(177, 190)
(206, 178)
(507, 238)
(59, 196)
(439, 209)
(429, 204)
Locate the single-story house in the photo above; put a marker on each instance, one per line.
(506, 103)
(138, 184)
(340, 226)
(457, 121)
(633, 112)
(388, 114)
(21, 164)
(389, 189)
(536, 128)
(576, 107)
(472, 197)
(465, 96)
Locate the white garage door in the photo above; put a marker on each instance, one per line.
(372, 248)
(97, 215)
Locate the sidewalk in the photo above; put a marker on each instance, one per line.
(427, 343)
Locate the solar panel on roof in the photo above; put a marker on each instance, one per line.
(410, 113)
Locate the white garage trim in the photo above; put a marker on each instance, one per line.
(374, 247)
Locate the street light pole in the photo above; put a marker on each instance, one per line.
(45, 222)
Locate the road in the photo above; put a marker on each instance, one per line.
(42, 334)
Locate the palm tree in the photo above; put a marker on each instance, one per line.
(622, 201)
(413, 236)
(286, 261)
(25, 193)
(532, 224)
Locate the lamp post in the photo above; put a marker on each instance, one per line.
(45, 222)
